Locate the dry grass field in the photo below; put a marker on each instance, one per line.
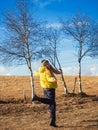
(74, 112)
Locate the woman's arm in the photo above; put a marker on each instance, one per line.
(55, 70)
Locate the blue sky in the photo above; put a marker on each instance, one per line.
(50, 10)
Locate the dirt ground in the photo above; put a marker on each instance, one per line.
(74, 111)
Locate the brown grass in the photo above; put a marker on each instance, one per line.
(73, 112)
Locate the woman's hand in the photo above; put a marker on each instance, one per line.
(60, 71)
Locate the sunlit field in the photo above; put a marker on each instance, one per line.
(74, 112)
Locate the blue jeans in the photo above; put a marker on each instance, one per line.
(50, 95)
(49, 99)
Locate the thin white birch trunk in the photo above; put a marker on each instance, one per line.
(80, 85)
(32, 86)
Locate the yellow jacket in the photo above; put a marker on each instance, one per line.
(46, 78)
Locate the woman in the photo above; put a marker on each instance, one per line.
(48, 82)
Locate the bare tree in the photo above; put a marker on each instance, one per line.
(23, 39)
(80, 29)
(53, 38)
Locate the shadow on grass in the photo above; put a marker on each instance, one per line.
(14, 101)
(96, 121)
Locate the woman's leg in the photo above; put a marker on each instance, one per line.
(50, 100)
(50, 94)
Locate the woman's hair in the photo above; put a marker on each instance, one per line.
(52, 68)
(44, 61)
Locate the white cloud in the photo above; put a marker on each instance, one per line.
(18, 70)
(8, 74)
(70, 70)
(35, 65)
(43, 3)
(91, 70)
(67, 70)
(2, 69)
(54, 25)
(94, 69)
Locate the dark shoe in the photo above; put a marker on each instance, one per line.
(53, 125)
(35, 98)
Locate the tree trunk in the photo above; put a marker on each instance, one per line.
(28, 59)
(32, 82)
(79, 61)
(65, 86)
(73, 91)
(80, 84)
